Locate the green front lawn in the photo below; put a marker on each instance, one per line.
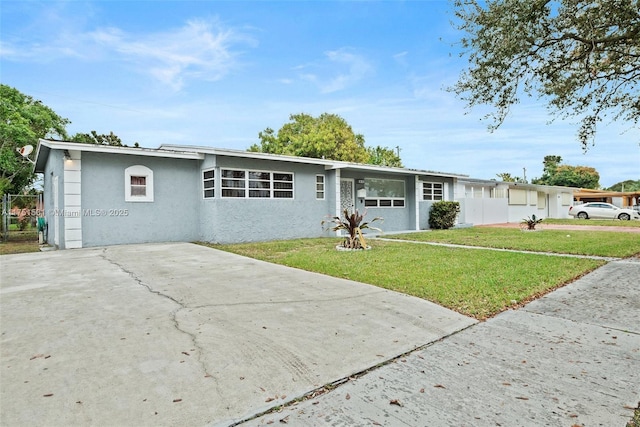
(580, 242)
(477, 283)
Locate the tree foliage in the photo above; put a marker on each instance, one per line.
(98, 139)
(23, 120)
(327, 136)
(550, 165)
(582, 57)
(628, 185)
(507, 177)
(383, 156)
(575, 176)
(555, 173)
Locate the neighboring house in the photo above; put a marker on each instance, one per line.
(493, 202)
(99, 195)
(622, 199)
(96, 195)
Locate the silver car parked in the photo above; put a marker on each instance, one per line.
(603, 210)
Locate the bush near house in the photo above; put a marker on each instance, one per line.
(442, 215)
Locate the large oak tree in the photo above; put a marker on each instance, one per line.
(581, 57)
(327, 136)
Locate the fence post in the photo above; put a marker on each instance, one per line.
(5, 217)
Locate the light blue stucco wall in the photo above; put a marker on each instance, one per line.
(108, 219)
(395, 218)
(179, 212)
(231, 220)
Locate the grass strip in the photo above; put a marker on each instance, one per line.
(577, 242)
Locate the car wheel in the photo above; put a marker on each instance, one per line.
(624, 217)
(583, 215)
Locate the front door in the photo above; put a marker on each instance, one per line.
(347, 195)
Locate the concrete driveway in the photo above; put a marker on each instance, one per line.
(180, 334)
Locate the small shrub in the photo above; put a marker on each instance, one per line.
(530, 223)
(442, 215)
(353, 225)
(23, 223)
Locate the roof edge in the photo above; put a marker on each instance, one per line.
(135, 151)
(328, 164)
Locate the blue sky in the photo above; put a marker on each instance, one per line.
(216, 73)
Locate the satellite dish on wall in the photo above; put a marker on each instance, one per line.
(25, 151)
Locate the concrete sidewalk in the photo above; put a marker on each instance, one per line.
(571, 358)
(180, 334)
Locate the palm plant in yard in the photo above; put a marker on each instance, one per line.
(530, 223)
(353, 225)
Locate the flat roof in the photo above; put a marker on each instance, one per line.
(46, 145)
(328, 164)
(198, 153)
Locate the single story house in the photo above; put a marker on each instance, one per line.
(98, 195)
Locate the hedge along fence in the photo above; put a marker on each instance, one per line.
(442, 215)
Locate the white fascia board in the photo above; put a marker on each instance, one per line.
(149, 152)
(386, 169)
(328, 164)
(246, 154)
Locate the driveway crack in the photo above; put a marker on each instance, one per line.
(173, 315)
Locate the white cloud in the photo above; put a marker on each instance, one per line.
(200, 49)
(341, 70)
(358, 68)
(401, 58)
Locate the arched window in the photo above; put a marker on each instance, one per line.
(138, 184)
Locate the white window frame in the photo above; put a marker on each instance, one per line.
(498, 193)
(433, 194)
(386, 202)
(138, 171)
(247, 180)
(212, 180)
(320, 187)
